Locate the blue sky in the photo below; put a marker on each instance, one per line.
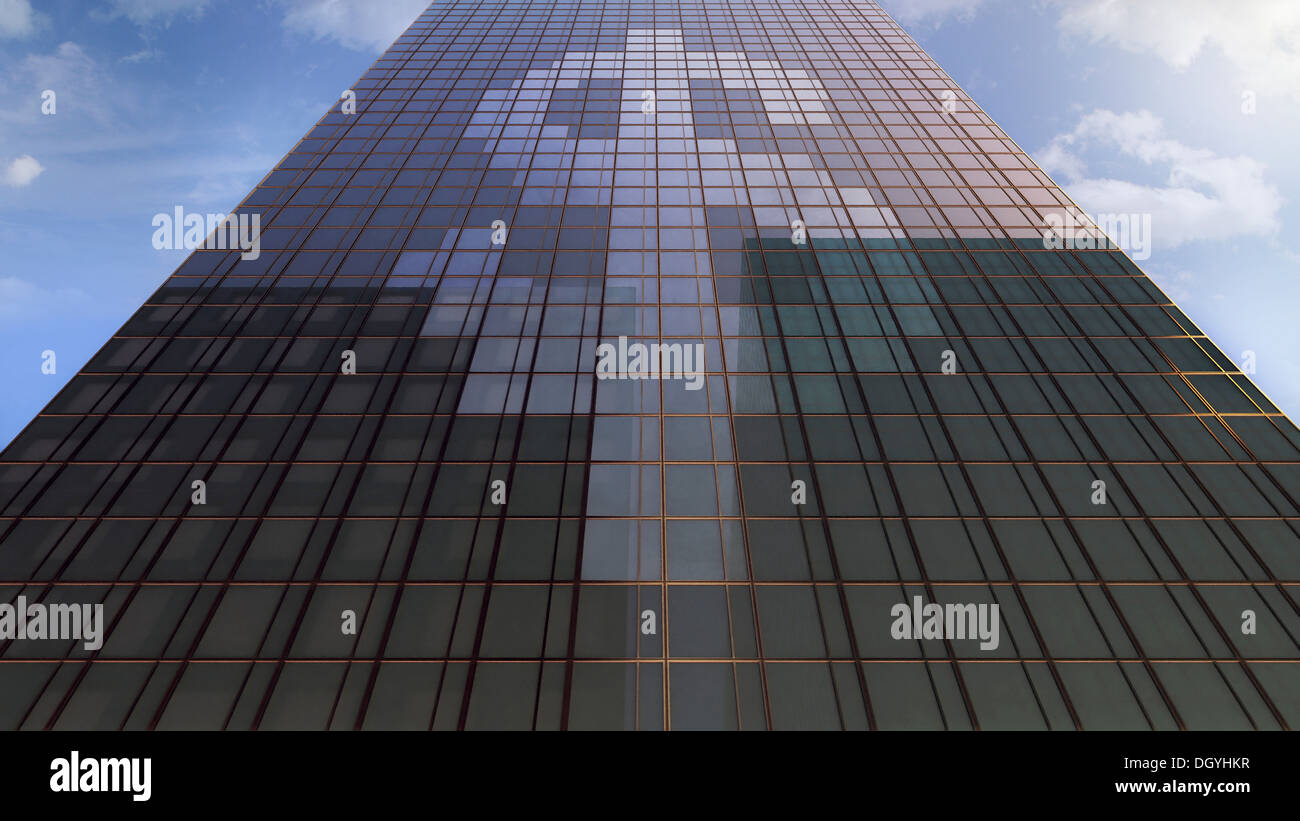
(1139, 106)
(1133, 106)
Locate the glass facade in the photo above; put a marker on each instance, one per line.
(630, 365)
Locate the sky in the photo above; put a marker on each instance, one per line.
(1184, 110)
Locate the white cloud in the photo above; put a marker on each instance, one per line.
(21, 299)
(1179, 285)
(17, 18)
(1260, 38)
(144, 55)
(143, 12)
(21, 171)
(357, 24)
(230, 179)
(930, 11)
(1205, 196)
(70, 73)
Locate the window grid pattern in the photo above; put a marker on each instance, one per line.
(826, 362)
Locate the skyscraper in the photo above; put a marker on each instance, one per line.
(630, 365)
